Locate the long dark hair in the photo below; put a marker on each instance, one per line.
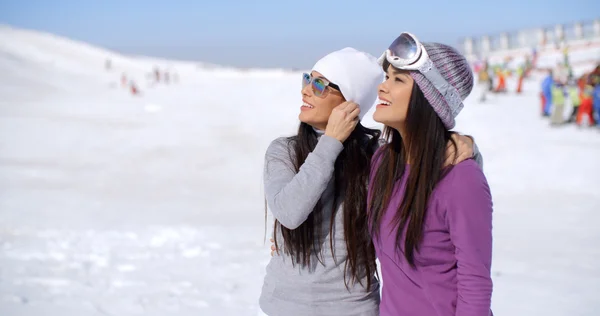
(425, 146)
(350, 180)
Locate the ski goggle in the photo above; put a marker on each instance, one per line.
(318, 85)
(407, 53)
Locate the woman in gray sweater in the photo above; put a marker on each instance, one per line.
(315, 187)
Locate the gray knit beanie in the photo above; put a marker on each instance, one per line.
(455, 69)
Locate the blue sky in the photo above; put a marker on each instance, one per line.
(269, 33)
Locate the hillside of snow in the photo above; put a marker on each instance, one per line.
(152, 204)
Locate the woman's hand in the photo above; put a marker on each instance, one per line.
(463, 150)
(342, 121)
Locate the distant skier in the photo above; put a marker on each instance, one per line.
(134, 89)
(596, 102)
(484, 81)
(574, 96)
(501, 74)
(521, 75)
(558, 103)
(157, 74)
(547, 94)
(586, 108)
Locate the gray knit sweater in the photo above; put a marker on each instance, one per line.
(290, 290)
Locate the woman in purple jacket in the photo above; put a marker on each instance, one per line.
(431, 226)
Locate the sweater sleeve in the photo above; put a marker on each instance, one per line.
(469, 219)
(477, 155)
(292, 196)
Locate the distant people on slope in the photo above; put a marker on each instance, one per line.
(586, 108)
(582, 94)
(156, 74)
(596, 99)
(485, 81)
(575, 97)
(546, 94)
(558, 103)
(521, 76)
(123, 80)
(501, 75)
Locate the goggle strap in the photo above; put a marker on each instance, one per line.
(447, 91)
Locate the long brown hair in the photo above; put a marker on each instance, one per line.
(425, 144)
(350, 180)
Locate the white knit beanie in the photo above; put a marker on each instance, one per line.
(356, 73)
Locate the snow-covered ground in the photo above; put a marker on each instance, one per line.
(113, 204)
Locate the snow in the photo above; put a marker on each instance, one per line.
(113, 204)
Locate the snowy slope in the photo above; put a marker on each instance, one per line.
(113, 204)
